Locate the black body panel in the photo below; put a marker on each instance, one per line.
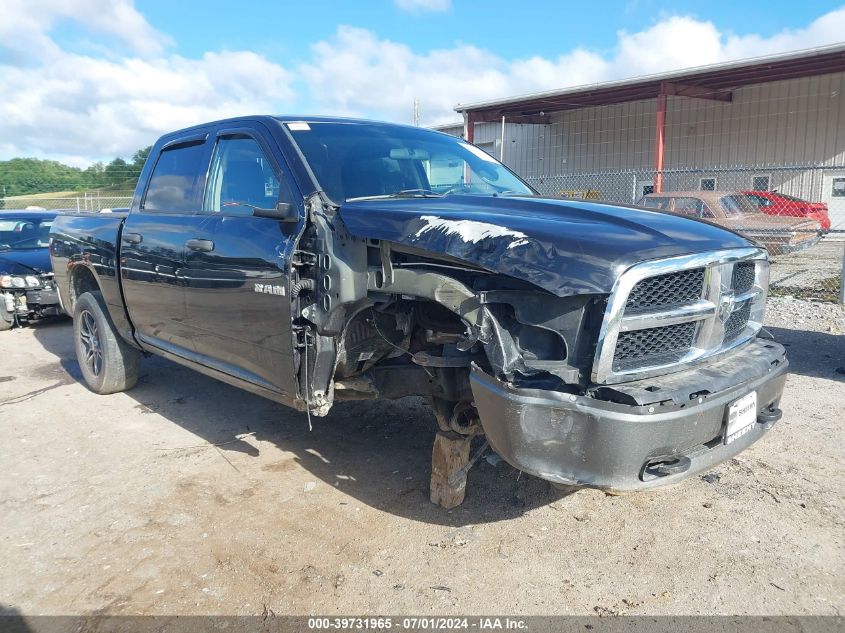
(237, 306)
(90, 242)
(567, 247)
(151, 274)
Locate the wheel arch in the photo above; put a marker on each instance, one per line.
(82, 278)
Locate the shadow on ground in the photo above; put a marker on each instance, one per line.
(12, 620)
(811, 353)
(378, 452)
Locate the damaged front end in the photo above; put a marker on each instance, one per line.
(622, 377)
(27, 297)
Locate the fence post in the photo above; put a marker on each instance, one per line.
(842, 279)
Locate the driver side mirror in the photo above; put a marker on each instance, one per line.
(284, 211)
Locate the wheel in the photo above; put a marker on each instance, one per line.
(108, 363)
(7, 319)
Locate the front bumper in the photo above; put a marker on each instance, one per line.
(789, 248)
(31, 301)
(41, 298)
(584, 441)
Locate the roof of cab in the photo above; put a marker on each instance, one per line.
(291, 119)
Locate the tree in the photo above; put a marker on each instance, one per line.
(24, 176)
(116, 172)
(140, 157)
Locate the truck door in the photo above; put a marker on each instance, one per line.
(153, 244)
(237, 302)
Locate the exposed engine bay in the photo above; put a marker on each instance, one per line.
(380, 320)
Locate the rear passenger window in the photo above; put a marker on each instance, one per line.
(175, 178)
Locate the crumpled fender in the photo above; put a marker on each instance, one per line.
(566, 247)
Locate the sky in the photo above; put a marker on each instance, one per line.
(87, 80)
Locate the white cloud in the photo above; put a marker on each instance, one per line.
(78, 104)
(65, 104)
(381, 78)
(827, 29)
(26, 24)
(424, 5)
(62, 104)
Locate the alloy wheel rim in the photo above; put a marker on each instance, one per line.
(89, 336)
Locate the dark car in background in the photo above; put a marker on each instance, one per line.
(737, 212)
(774, 203)
(26, 278)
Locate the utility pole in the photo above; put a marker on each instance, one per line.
(416, 112)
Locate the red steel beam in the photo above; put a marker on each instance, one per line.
(495, 116)
(715, 80)
(695, 92)
(470, 131)
(659, 140)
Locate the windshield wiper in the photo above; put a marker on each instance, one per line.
(405, 193)
(423, 193)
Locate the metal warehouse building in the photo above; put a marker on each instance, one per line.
(774, 123)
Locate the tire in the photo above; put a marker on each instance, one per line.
(108, 363)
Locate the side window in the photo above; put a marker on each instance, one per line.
(655, 203)
(688, 206)
(692, 207)
(175, 178)
(241, 178)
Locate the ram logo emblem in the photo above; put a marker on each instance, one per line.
(727, 303)
(270, 289)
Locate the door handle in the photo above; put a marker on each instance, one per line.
(204, 246)
(132, 238)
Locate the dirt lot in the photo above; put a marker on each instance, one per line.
(814, 273)
(189, 496)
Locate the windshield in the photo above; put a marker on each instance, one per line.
(353, 160)
(22, 233)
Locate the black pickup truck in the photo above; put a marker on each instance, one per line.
(321, 259)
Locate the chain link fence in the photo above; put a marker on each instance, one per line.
(796, 212)
(91, 201)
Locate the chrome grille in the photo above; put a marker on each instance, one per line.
(737, 321)
(665, 314)
(743, 276)
(668, 344)
(666, 290)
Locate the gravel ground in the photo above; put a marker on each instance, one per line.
(188, 496)
(812, 273)
(808, 316)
